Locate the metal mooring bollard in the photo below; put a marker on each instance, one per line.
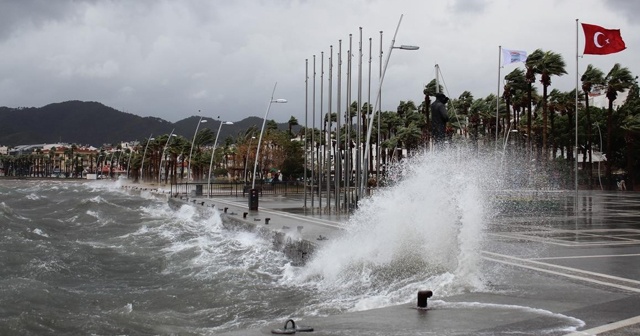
(225, 210)
(423, 295)
(266, 220)
(244, 214)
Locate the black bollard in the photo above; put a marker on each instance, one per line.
(423, 295)
(266, 220)
(244, 214)
(225, 210)
(253, 199)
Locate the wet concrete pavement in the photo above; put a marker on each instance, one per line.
(562, 272)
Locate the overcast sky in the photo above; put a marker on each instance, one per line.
(170, 59)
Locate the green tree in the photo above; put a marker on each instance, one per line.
(530, 78)
(292, 166)
(617, 80)
(271, 125)
(514, 88)
(590, 78)
(546, 64)
(631, 128)
(292, 122)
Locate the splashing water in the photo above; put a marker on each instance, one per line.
(426, 231)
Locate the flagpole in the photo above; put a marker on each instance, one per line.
(313, 136)
(306, 125)
(576, 139)
(320, 152)
(498, 94)
(328, 134)
(338, 151)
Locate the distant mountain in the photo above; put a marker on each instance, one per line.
(92, 123)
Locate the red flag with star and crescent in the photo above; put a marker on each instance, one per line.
(601, 41)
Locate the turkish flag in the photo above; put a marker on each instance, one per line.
(601, 41)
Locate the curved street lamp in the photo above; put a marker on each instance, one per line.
(407, 47)
(143, 155)
(192, 143)
(373, 115)
(98, 165)
(213, 152)
(253, 195)
(171, 135)
(246, 161)
(129, 162)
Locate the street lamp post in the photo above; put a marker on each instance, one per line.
(246, 161)
(192, 143)
(171, 135)
(143, 155)
(213, 152)
(129, 162)
(253, 194)
(100, 166)
(372, 117)
(119, 151)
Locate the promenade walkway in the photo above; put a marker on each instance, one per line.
(583, 279)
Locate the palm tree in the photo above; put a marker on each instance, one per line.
(410, 136)
(204, 137)
(530, 78)
(617, 80)
(52, 156)
(546, 64)
(176, 150)
(515, 85)
(292, 122)
(590, 78)
(631, 126)
(68, 152)
(412, 121)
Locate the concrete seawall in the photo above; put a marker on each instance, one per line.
(284, 233)
(568, 291)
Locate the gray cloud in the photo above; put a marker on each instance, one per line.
(475, 7)
(630, 9)
(22, 14)
(172, 58)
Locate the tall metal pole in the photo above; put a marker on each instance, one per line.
(393, 41)
(328, 142)
(246, 161)
(313, 133)
(498, 95)
(264, 121)
(143, 155)
(320, 158)
(367, 167)
(213, 153)
(576, 126)
(306, 126)
(379, 109)
(162, 157)
(338, 167)
(359, 124)
(347, 147)
(437, 69)
(129, 162)
(191, 151)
